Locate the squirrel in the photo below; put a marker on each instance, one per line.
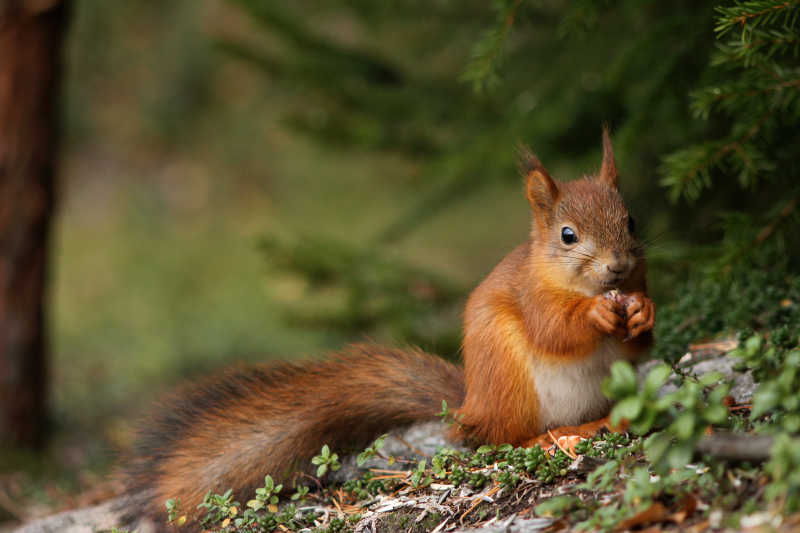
(540, 334)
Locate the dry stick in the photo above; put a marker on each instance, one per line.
(315, 479)
(478, 501)
(560, 447)
(410, 447)
(736, 447)
(401, 476)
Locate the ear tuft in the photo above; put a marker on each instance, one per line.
(608, 169)
(527, 162)
(540, 188)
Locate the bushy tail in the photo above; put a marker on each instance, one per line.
(229, 432)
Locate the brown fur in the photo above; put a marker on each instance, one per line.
(542, 305)
(528, 307)
(230, 431)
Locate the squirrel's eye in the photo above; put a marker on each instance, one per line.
(568, 235)
(631, 225)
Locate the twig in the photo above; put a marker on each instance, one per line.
(410, 447)
(560, 447)
(387, 471)
(785, 212)
(316, 480)
(478, 500)
(736, 447)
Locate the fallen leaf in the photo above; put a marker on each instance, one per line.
(688, 506)
(569, 442)
(655, 513)
(698, 527)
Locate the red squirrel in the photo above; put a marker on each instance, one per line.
(540, 334)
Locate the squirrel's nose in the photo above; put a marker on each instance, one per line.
(616, 268)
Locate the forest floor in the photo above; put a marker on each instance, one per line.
(412, 481)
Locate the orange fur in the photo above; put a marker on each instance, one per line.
(232, 430)
(539, 335)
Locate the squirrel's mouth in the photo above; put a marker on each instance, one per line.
(612, 283)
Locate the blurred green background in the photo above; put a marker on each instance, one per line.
(245, 181)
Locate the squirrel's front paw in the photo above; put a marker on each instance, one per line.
(641, 314)
(607, 316)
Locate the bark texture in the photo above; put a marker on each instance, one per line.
(31, 35)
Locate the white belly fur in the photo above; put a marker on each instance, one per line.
(569, 393)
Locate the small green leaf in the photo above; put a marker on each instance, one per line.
(710, 378)
(679, 456)
(622, 381)
(627, 409)
(656, 446)
(322, 470)
(683, 426)
(644, 423)
(719, 393)
(255, 505)
(486, 448)
(655, 379)
(715, 414)
(557, 506)
(752, 345)
(766, 398)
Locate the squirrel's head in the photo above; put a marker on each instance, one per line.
(582, 236)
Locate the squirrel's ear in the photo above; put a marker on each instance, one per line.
(540, 188)
(608, 169)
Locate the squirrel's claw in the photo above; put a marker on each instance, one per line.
(641, 315)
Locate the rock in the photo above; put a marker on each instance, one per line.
(513, 524)
(705, 360)
(87, 520)
(405, 443)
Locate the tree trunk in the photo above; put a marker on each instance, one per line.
(31, 34)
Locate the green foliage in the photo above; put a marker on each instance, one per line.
(784, 470)
(223, 513)
(487, 52)
(266, 495)
(567, 69)
(219, 507)
(376, 290)
(448, 417)
(758, 289)
(683, 414)
(300, 493)
(775, 363)
(326, 461)
(372, 450)
(458, 468)
(621, 488)
(173, 509)
(419, 477)
(756, 97)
